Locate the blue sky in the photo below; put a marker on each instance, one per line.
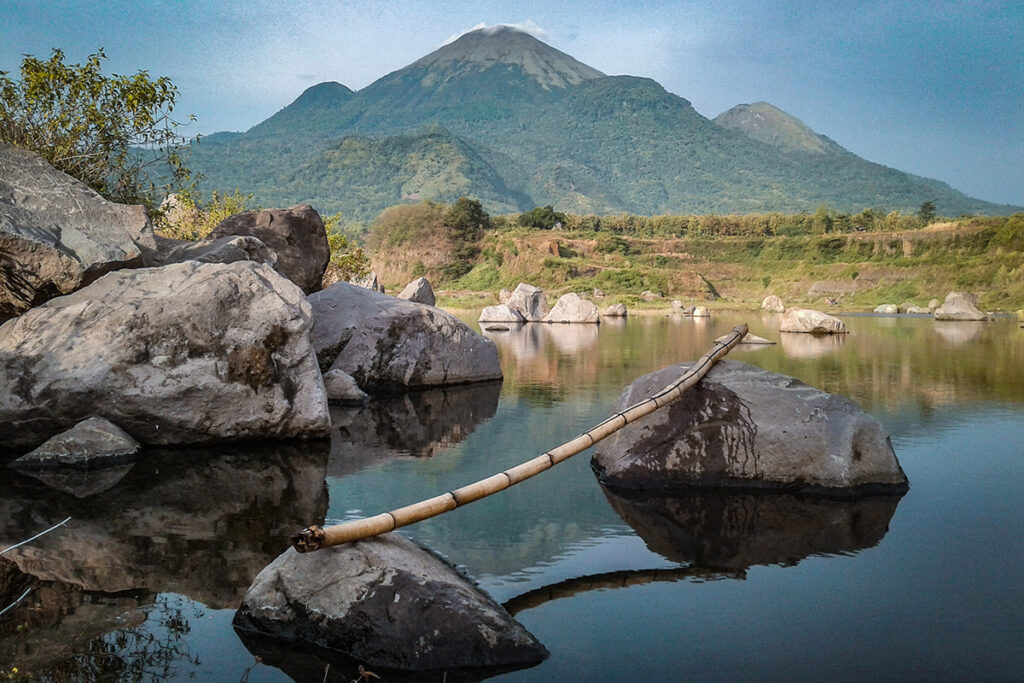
(934, 88)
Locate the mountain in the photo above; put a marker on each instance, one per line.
(503, 117)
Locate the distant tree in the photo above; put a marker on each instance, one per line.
(927, 212)
(822, 221)
(110, 132)
(348, 261)
(542, 217)
(466, 220)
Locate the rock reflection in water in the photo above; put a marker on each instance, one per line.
(416, 425)
(198, 523)
(802, 345)
(960, 331)
(732, 531)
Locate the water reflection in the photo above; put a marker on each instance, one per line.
(192, 522)
(414, 425)
(734, 531)
(959, 332)
(800, 345)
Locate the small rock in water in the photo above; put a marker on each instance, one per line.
(387, 602)
(92, 443)
(811, 322)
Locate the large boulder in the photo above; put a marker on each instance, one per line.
(187, 353)
(959, 306)
(742, 426)
(389, 345)
(500, 314)
(572, 308)
(92, 443)
(295, 234)
(811, 322)
(701, 312)
(887, 309)
(386, 602)
(772, 304)
(419, 291)
(57, 235)
(529, 301)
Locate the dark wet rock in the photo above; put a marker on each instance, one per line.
(811, 322)
(187, 353)
(386, 601)
(57, 235)
(959, 306)
(730, 530)
(746, 427)
(414, 425)
(341, 388)
(389, 345)
(419, 291)
(529, 301)
(295, 234)
(198, 522)
(91, 444)
(572, 308)
(494, 327)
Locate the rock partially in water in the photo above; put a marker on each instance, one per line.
(295, 234)
(615, 311)
(389, 345)
(187, 353)
(701, 312)
(529, 302)
(810, 321)
(419, 291)
(772, 304)
(572, 308)
(746, 427)
(500, 314)
(749, 338)
(57, 235)
(388, 602)
(730, 530)
(341, 388)
(90, 444)
(960, 306)
(887, 309)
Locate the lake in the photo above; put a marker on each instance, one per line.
(143, 581)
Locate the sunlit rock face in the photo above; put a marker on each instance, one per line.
(386, 601)
(811, 322)
(745, 427)
(730, 530)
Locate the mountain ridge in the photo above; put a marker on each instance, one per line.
(554, 131)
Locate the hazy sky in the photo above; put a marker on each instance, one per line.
(931, 87)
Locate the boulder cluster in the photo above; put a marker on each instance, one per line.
(528, 304)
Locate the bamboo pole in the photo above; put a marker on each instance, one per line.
(315, 537)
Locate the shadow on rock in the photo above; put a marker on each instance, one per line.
(732, 531)
(417, 425)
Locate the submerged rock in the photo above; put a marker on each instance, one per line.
(188, 353)
(959, 306)
(811, 322)
(57, 235)
(385, 601)
(389, 345)
(296, 234)
(746, 427)
(90, 444)
(572, 308)
(419, 291)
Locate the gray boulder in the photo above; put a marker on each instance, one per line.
(772, 304)
(191, 352)
(57, 235)
(295, 234)
(572, 308)
(700, 312)
(221, 250)
(387, 602)
(419, 291)
(959, 306)
(500, 314)
(389, 345)
(504, 296)
(887, 309)
(92, 443)
(933, 304)
(811, 322)
(529, 301)
(369, 281)
(616, 311)
(342, 389)
(746, 427)
(917, 310)
(648, 295)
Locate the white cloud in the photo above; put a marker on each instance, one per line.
(527, 26)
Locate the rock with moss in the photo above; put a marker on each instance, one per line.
(386, 602)
(57, 235)
(187, 353)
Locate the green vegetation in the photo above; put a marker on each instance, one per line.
(184, 216)
(93, 126)
(541, 217)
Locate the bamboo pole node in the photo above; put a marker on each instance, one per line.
(315, 537)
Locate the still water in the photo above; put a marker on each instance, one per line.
(143, 581)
